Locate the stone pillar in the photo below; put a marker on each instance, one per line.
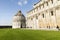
(58, 16)
(55, 19)
(48, 19)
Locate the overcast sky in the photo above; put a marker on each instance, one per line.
(8, 8)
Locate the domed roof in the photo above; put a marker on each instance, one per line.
(18, 17)
(19, 13)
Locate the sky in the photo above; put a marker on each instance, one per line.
(8, 8)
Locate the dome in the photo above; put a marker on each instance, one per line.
(18, 20)
(19, 13)
(18, 17)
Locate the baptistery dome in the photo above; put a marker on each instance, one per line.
(19, 20)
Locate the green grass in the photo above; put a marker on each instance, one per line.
(22, 34)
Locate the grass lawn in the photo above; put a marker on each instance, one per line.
(22, 34)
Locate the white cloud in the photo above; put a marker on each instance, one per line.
(22, 2)
(25, 2)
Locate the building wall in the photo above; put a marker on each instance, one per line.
(16, 22)
(19, 22)
(44, 15)
(58, 16)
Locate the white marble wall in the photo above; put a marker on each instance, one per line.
(49, 21)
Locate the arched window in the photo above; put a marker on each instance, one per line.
(43, 15)
(52, 13)
(47, 3)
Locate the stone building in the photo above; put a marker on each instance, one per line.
(19, 20)
(44, 15)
